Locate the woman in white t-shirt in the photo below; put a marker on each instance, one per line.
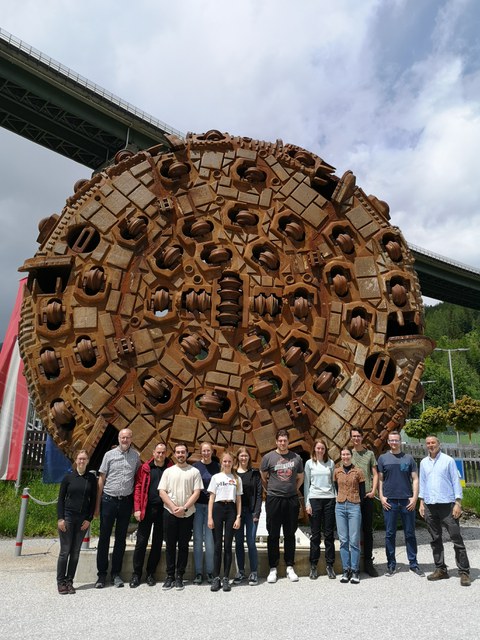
(224, 509)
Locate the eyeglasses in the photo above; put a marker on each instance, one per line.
(394, 441)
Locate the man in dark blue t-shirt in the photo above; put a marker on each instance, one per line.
(398, 490)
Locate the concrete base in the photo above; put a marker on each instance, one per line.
(87, 570)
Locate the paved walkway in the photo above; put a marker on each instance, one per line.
(401, 607)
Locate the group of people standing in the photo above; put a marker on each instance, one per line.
(219, 502)
(341, 496)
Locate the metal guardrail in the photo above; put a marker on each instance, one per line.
(437, 256)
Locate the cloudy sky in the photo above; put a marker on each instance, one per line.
(387, 88)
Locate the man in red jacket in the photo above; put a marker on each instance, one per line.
(148, 510)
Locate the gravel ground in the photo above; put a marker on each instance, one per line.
(401, 606)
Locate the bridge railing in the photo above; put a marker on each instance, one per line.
(84, 82)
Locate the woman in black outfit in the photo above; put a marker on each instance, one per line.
(251, 507)
(75, 509)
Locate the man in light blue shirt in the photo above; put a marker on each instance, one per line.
(441, 504)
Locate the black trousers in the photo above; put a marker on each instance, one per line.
(70, 545)
(153, 518)
(281, 513)
(366, 507)
(323, 517)
(113, 511)
(178, 533)
(436, 516)
(224, 515)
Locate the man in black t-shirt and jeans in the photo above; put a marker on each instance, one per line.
(282, 477)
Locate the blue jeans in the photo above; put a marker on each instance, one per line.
(202, 534)
(390, 517)
(248, 530)
(349, 525)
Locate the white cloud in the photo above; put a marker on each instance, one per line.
(389, 89)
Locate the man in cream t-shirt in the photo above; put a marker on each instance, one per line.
(179, 489)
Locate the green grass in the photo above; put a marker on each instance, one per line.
(41, 520)
(447, 438)
(471, 499)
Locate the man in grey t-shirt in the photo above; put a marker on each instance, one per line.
(282, 477)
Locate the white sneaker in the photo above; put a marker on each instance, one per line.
(272, 576)
(291, 575)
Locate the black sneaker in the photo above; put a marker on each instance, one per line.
(417, 571)
(117, 581)
(371, 571)
(215, 584)
(345, 577)
(240, 577)
(100, 583)
(198, 579)
(210, 578)
(151, 580)
(313, 572)
(330, 572)
(134, 581)
(390, 571)
(168, 584)
(355, 579)
(226, 585)
(179, 586)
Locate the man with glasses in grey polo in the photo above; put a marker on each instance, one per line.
(398, 491)
(115, 505)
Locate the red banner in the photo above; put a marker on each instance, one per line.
(13, 397)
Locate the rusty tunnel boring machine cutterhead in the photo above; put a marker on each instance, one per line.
(221, 291)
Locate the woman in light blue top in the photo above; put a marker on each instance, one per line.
(319, 493)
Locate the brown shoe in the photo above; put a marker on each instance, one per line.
(438, 574)
(70, 588)
(62, 589)
(465, 580)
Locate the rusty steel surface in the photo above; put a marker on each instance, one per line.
(219, 292)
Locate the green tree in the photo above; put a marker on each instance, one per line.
(450, 322)
(464, 415)
(433, 420)
(415, 429)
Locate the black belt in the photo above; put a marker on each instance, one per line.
(118, 497)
